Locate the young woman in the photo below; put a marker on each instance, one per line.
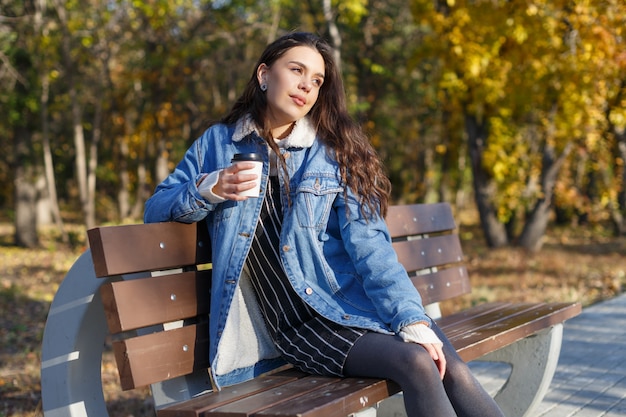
(306, 273)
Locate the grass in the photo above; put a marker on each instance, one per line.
(584, 264)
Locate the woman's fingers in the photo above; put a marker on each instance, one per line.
(233, 181)
(436, 353)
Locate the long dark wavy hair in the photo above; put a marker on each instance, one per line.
(360, 166)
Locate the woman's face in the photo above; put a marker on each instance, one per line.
(293, 85)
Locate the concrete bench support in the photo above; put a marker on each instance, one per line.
(73, 342)
(533, 361)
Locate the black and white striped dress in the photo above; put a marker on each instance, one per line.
(303, 337)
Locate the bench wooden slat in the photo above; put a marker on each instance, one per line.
(425, 253)
(498, 316)
(500, 331)
(497, 312)
(167, 298)
(469, 313)
(154, 357)
(336, 400)
(442, 284)
(417, 219)
(442, 254)
(200, 405)
(255, 403)
(185, 295)
(155, 246)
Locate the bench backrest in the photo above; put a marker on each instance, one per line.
(158, 312)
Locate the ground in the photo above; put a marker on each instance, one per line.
(584, 264)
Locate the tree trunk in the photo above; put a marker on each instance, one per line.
(460, 199)
(52, 200)
(494, 231)
(276, 14)
(618, 208)
(81, 154)
(49, 164)
(25, 190)
(90, 208)
(76, 111)
(141, 194)
(333, 30)
(536, 223)
(431, 190)
(162, 159)
(123, 196)
(622, 194)
(44, 210)
(25, 208)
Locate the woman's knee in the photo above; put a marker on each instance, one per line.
(458, 373)
(378, 355)
(415, 361)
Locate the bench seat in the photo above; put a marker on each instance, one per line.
(473, 332)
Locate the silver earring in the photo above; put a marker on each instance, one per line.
(263, 87)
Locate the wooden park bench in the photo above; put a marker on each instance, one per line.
(148, 286)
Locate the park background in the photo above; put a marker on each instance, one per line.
(514, 111)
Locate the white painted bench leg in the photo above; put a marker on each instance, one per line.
(533, 362)
(73, 340)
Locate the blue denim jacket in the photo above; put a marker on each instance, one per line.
(341, 264)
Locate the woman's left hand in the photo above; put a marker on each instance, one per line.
(436, 352)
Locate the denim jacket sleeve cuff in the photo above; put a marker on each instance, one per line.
(205, 187)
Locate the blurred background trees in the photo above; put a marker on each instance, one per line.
(514, 107)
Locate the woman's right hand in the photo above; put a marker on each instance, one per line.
(232, 181)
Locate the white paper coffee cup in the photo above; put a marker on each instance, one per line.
(257, 159)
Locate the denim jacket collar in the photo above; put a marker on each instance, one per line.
(302, 136)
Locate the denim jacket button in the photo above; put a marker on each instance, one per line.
(286, 248)
(309, 291)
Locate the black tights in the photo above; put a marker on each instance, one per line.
(409, 365)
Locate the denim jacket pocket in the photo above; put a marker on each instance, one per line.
(314, 198)
(222, 212)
